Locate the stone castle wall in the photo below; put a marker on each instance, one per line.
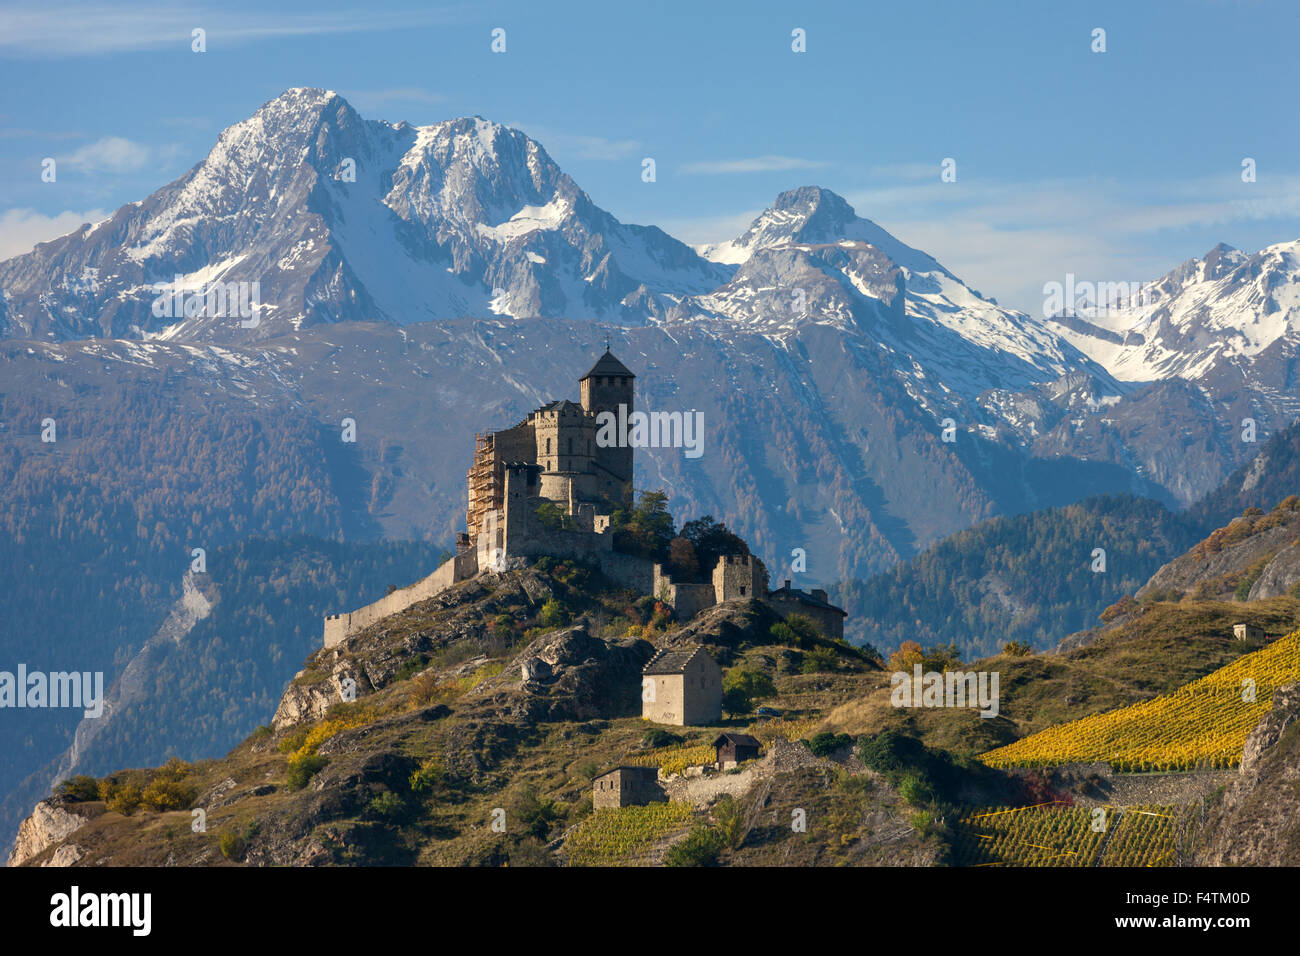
(339, 627)
(686, 600)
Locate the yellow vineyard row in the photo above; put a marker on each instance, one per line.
(1203, 724)
(612, 836)
(676, 759)
(1069, 836)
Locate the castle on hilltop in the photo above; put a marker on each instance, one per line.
(549, 486)
(552, 455)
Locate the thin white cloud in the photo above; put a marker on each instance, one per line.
(564, 145)
(22, 229)
(754, 164)
(78, 29)
(380, 99)
(111, 154)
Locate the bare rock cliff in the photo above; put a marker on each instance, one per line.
(51, 822)
(1257, 823)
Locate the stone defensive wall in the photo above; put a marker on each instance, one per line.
(340, 626)
(626, 569)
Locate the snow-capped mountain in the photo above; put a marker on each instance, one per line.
(1229, 322)
(811, 258)
(335, 217)
(813, 316)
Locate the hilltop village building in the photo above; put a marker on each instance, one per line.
(682, 686)
(556, 456)
(627, 787)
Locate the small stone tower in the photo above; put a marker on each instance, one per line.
(607, 386)
(739, 577)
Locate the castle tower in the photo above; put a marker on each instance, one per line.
(739, 577)
(607, 386)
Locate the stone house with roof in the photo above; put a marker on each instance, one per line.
(813, 605)
(627, 786)
(681, 686)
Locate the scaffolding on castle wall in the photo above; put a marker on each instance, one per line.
(486, 484)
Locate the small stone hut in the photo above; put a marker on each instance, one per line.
(736, 748)
(1247, 632)
(627, 787)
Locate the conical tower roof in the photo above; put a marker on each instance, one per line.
(608, 365)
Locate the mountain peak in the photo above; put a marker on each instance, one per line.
(813, 197)
(815, 215)
(302, 100)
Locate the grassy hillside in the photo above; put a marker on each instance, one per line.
(1156, 649)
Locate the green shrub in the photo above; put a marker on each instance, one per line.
(386, 806)
(825, 743)
(162, 795)
(428, 776)
(79, 788)
(1017, 649)
(533, 813)
(731, 821)
(781, 633)
(741, 687)
(1248, 581)
(552, 517)
(654, 737)
(914, 789)
(412, 667)
(941, 658)
(700, 848)
(302, 767)
(553, 614)
(231, 845)
(124, 799)
(819, 660)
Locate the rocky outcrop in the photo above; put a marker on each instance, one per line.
(52, 821)
(307, 699)
(1257, 822)
(1279, 576)
(1285, 712)
(571, 675)
(1184, 573)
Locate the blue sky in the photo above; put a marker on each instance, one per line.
(1113, 166)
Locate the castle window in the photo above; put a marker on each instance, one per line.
(570, 446)
(742, 590)
(548, 446)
